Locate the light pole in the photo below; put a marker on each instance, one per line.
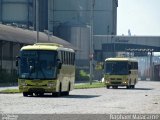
(48, 34)
(151, 65)
(114, 46)
(37, 20)
(91, 41)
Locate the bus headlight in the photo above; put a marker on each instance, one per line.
(124, 82)
(23, 84)
(107, 81)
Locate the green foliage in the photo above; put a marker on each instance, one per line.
(8, 77)
(99, 66)
(10, 91)
(87, 86)
(82, 75)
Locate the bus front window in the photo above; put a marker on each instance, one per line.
(38, 64)
(116, 68)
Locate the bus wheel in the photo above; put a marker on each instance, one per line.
(107, 86)
(66, 93)
(41, 94)
(25, 94)
(69, 88)
(115, 87)
(31, 94)
(133, 86)
(128, 86)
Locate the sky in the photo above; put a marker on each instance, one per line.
(142, 17)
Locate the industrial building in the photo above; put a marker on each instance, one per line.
(70, 20)
(59, 13)
(109, 45)
(76, 21)
(22, 13)
(141, 47)
(11, 40)
(73, 22)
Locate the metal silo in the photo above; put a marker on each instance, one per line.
(67, 19)
(79, 36)
(104, 20)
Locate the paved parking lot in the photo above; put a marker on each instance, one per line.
(145, 98)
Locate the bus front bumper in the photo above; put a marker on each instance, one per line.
(116, 83)
(35, 89)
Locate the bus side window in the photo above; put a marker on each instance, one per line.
(67, 58)
(136, 65)
(130, 66)
(71, 59)
(64, 56)
(74, 58)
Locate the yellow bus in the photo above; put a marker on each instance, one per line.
(120, 72)
(46, 68)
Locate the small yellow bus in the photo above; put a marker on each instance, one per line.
(120, 72)
(46, 68)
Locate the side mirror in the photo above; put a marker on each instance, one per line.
(16, 63)
(103, 66)
(17, 59)
(129, 72)
(59, 64)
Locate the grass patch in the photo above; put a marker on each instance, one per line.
(77, 86)
(10, 91)
(87, 85)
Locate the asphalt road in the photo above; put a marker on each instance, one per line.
(144, 99)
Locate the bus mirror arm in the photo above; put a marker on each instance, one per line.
(59, 64)
(17, 59)
(103, 67)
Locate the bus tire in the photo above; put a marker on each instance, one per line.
(107, 86)
(66, 93)
(134, 84)
(31, 94)
(129, 86)
(114, 87)
(69, 88)
(59, 93)
(41, 94)
(25, 94)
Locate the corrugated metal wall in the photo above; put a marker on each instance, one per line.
(17, 11)
(22, 13)
(8, 53)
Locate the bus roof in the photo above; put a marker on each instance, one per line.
(120, 59)
(46, 46)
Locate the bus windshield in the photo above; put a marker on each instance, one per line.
(116, 68)
(37, 64)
